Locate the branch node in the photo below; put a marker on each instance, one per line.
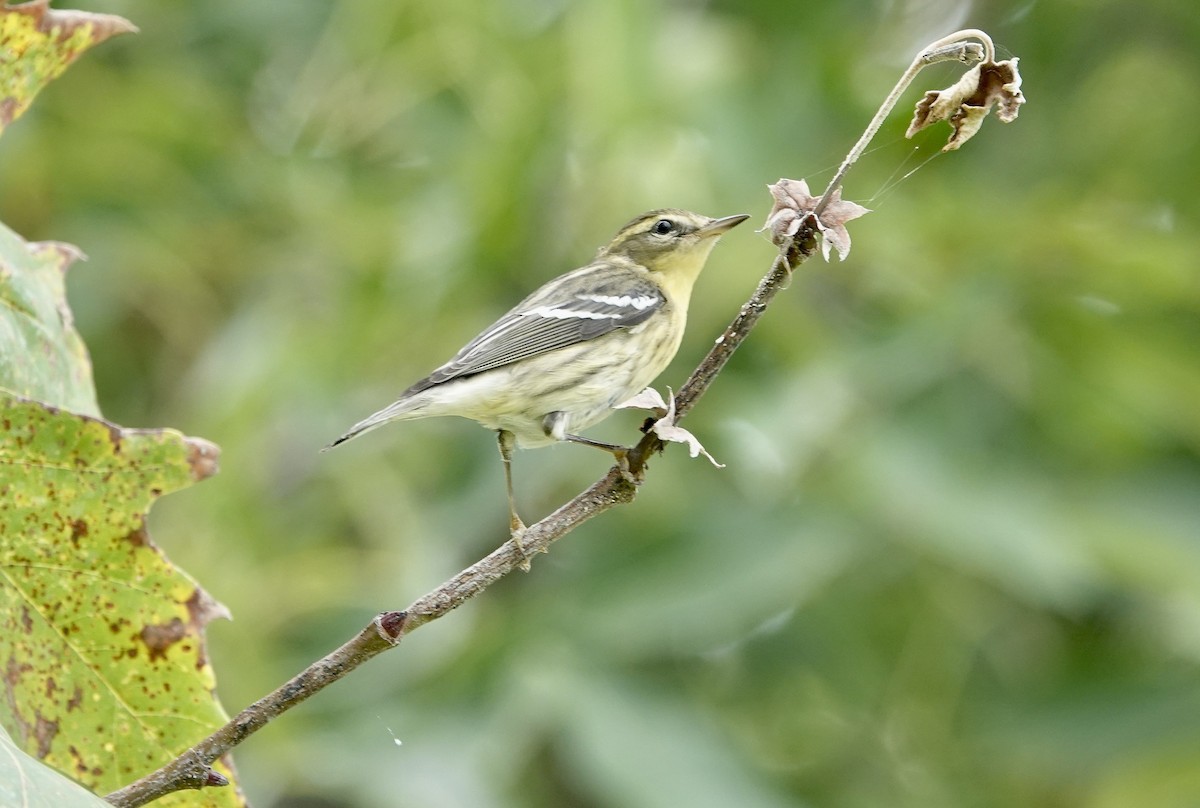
(391, 625)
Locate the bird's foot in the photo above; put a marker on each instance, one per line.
(516, 529)
(621, 455)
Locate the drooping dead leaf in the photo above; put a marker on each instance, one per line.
(794, 203)
(968, 101)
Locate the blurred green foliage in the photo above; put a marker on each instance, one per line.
(955, 556)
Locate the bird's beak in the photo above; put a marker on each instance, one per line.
(723, 225)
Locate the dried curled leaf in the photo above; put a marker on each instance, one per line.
(664, 427)
(794, 203)
(968, 101)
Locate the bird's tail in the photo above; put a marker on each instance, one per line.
(401, 410)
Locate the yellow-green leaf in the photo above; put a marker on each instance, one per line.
(37, 43)
(101, 638)
(41, 354)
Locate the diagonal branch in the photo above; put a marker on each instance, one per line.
(191, 769)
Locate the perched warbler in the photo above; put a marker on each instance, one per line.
(583, 343)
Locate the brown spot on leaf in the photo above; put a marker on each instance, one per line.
(138, 537)
(79, 530)
(158, 638)
(76, 700)
(13, 671)
(80, 766)
(202, 608)
(8, 110)
(202, 458)
(44, 731)
(26, 620)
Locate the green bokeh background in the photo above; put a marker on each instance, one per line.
(954, 559)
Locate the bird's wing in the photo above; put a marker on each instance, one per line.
(555, 316)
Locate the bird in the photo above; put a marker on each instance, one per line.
(562, 359)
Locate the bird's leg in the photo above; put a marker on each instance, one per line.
(516, 527)
(555, 426)
(619, 453)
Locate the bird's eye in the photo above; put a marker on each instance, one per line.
(662, 227)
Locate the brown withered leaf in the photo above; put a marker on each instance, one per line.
(968, 101)
(794, 203)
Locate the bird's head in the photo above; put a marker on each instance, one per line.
(671, 242)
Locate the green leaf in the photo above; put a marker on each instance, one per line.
(38, 43)
(41, 353)
(105, 675)
(25, 783)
